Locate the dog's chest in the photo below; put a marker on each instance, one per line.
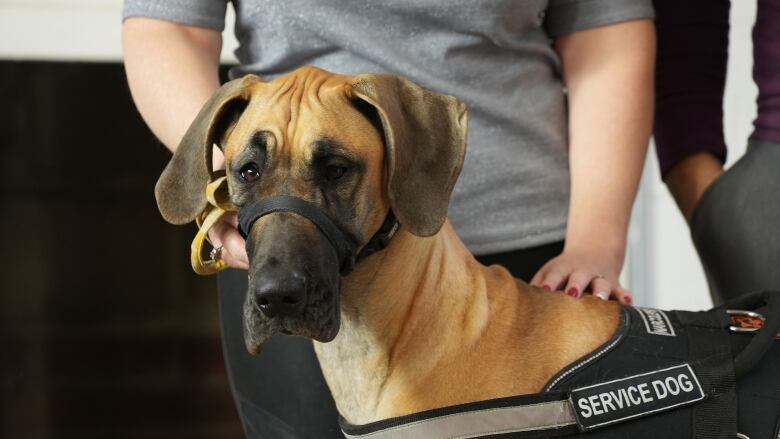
(344, 361)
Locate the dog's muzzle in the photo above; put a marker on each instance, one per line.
(282, 306)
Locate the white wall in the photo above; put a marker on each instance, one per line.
(71, 30)
(662, 268)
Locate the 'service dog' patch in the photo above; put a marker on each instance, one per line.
(638, 395)
(656, 322)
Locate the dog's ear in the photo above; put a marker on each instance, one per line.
(181, 189)
(425, 136)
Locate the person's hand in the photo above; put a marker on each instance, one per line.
(225, 234)
(584, 271)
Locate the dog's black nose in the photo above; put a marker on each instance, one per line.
(279, 293)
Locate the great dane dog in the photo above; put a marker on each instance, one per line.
(418, 339)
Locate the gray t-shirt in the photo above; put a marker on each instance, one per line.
(495, 55)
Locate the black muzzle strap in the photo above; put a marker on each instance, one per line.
(247, 215)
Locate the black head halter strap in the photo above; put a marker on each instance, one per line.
(343, 245)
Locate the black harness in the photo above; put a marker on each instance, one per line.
(674, 374)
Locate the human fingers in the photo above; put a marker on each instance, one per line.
(622, 295)
(236, 248)
(225, 235)
(553, 280)
(235, 241)
(539, 276)
(231, 218)
(578, 281)
(601, 288)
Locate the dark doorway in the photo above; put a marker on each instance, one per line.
(105, 332)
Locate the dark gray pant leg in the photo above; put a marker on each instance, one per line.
(280, 393)
(736, 225)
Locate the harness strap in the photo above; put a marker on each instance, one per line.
(714, 363)
(716, 416)
(551, 414)
(712, 360)
(551, 418)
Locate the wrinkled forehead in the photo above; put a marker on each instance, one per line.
(299, 112)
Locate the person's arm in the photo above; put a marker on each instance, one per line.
(172, 70)
(608, 72)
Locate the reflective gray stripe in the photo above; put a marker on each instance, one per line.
(478, 423)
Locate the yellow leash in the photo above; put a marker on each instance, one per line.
(219, 203)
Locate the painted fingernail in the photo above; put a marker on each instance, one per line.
(547, 288)
(627, 300)
(603, 295)
(573, 292)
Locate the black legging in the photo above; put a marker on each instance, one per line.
(281, 393)
(736, 225)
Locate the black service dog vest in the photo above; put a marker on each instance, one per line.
(663, 374)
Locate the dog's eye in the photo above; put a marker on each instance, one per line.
(334, 172)
(250, 173)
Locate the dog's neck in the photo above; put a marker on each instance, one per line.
(416, 288)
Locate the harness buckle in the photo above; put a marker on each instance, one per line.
(745, 321)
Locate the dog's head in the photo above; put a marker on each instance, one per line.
(353, 147)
